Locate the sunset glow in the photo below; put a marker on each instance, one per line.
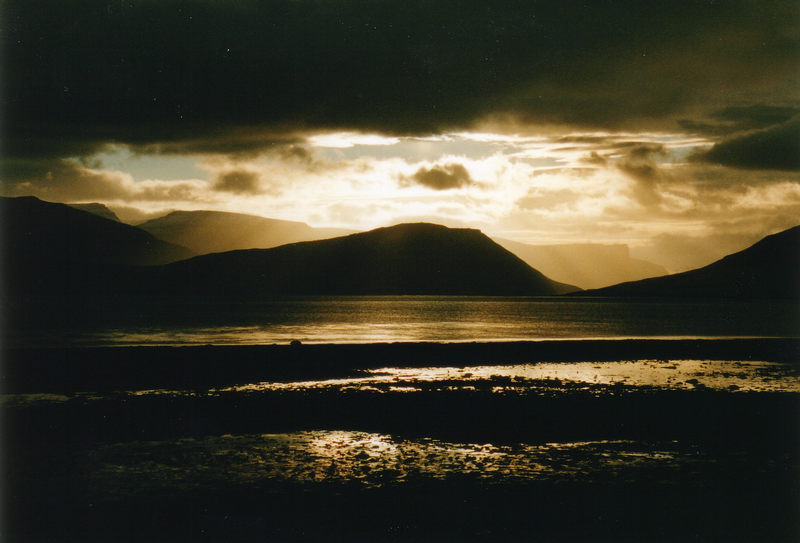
(399, 270)
(685, 144)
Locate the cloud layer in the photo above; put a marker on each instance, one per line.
(231, 76)
(669, 125)
(773, 148)
(585, 187)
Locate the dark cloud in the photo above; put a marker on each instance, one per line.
(69, 181)
(640, 165)
(238, 142)
(444, 177)
(758, 116)
(595, 158)
(184, 77)
(645, 151)
(302, 156)
(774, 148)
(297, 152)
(238, 182)
(739, 118)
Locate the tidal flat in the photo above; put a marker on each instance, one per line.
(551, 441)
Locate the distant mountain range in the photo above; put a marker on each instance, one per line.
(216, 231)
(97, 209)
(51, 247)
(48, 232)
(587, 265)
(55, 248)
(767, 269)
(404, 259)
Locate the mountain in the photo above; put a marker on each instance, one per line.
(216, 231)
(768, 269)
(587, 265)
(404, 259)
(97, 209)
(50, 247)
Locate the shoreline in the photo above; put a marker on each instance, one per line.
(559, 462)
(52, 369)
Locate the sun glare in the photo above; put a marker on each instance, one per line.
(343, 140)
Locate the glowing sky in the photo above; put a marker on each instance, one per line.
(672, 127)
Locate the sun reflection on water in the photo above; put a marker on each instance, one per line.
(367, 459)
(738, 376)
(371, 319)
(551, 378)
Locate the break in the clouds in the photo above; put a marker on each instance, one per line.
(635, 188)
(662, 125)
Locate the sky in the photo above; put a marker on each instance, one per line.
(673, 127)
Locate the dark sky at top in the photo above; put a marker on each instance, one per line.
(179, 76)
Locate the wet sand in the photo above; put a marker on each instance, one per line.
(539, 441)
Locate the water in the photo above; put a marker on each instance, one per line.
(416, 318)
(517, 450)
(527, 449)
(729, 375)
(375, 460)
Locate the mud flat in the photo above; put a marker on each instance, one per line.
(627, 440)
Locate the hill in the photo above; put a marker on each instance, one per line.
(404, 259)
(216, 231)
(97, 209)
(50, 247)
(767, 269)
(587, 265)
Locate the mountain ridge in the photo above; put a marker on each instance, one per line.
(411, 258)
(770, 268)
(34, 227)
(54, 249)
(207, 231)
(98, 209)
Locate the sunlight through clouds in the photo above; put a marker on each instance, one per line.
(349, 139)
(573, 187)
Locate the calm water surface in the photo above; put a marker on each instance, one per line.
(420, 318)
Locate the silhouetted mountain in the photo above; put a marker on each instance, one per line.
(768, 269)
(217, 231)
(404, 259)
(587, 265)
(50, 247)
(97, 209)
